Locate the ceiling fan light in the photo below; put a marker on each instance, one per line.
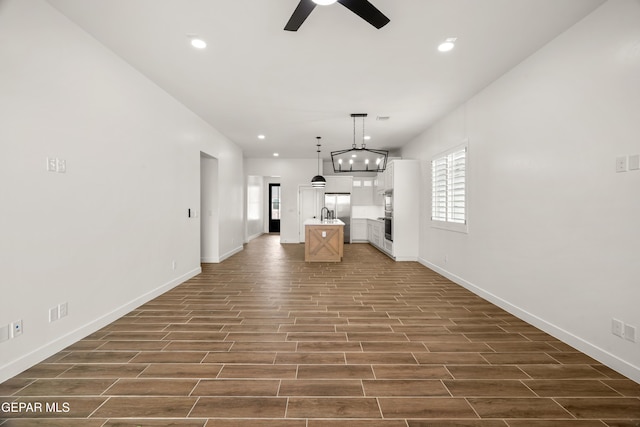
(324, 2)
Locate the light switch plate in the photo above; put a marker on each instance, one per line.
(52, 164)
(634, 162)
(617, 327)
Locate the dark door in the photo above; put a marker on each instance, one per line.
(274, 208)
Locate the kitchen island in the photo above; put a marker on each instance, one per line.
(323, 240)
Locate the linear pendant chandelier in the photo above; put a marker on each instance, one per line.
(359, 159)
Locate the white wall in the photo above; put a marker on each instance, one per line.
(553, 229)
(209, 210)
(256, 201)
(292, 173)
(103, 235)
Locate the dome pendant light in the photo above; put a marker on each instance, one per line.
(318, 181)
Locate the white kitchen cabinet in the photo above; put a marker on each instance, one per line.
(389, 176)
(338, 184)
(362, 192)
(375, 232)
(358, 230)
(380, 179)
(388, 247)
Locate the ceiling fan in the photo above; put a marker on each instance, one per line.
(362, 8)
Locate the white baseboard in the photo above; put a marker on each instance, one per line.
(231, 253)
(36, 356)
(217, 260)
(603, 356)
(405, 258)
(255, 236)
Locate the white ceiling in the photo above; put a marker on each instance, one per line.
(255, 78)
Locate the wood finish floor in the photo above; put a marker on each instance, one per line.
(267, 340)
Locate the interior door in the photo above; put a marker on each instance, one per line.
(274, 208)
(309, 207)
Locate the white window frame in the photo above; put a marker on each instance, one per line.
(443, 165)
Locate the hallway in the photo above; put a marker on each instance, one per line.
(267, 340)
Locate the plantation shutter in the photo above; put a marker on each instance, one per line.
(456, 206)
(448, 187)
(439, 189)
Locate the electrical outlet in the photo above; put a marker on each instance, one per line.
(53, 314)
(16, 328)
(61, 165)
(630, 333)
(63, 310)
(174, 265)
(621, 164)
(617, 327)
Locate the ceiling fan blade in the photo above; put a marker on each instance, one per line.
(301, 13)
(366, 11)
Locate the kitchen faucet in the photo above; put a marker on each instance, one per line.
(322, 213)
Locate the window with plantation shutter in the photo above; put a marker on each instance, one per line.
(449, 189)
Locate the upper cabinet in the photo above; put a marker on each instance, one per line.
(338, 184)
(362, 192)
(385, 180)
(388, 179)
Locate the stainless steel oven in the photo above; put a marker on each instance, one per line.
(388, 228)
(388, 215)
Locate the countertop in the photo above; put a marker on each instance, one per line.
(371, 219)
(316, 221)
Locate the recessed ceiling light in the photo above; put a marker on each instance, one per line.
(324, 2)
(447, 45)
(261, 137)
(367, 137)
(275, 154)
(198, 43)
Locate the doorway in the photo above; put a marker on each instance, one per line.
(309, 204)
(209, 239)
(274, 208)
